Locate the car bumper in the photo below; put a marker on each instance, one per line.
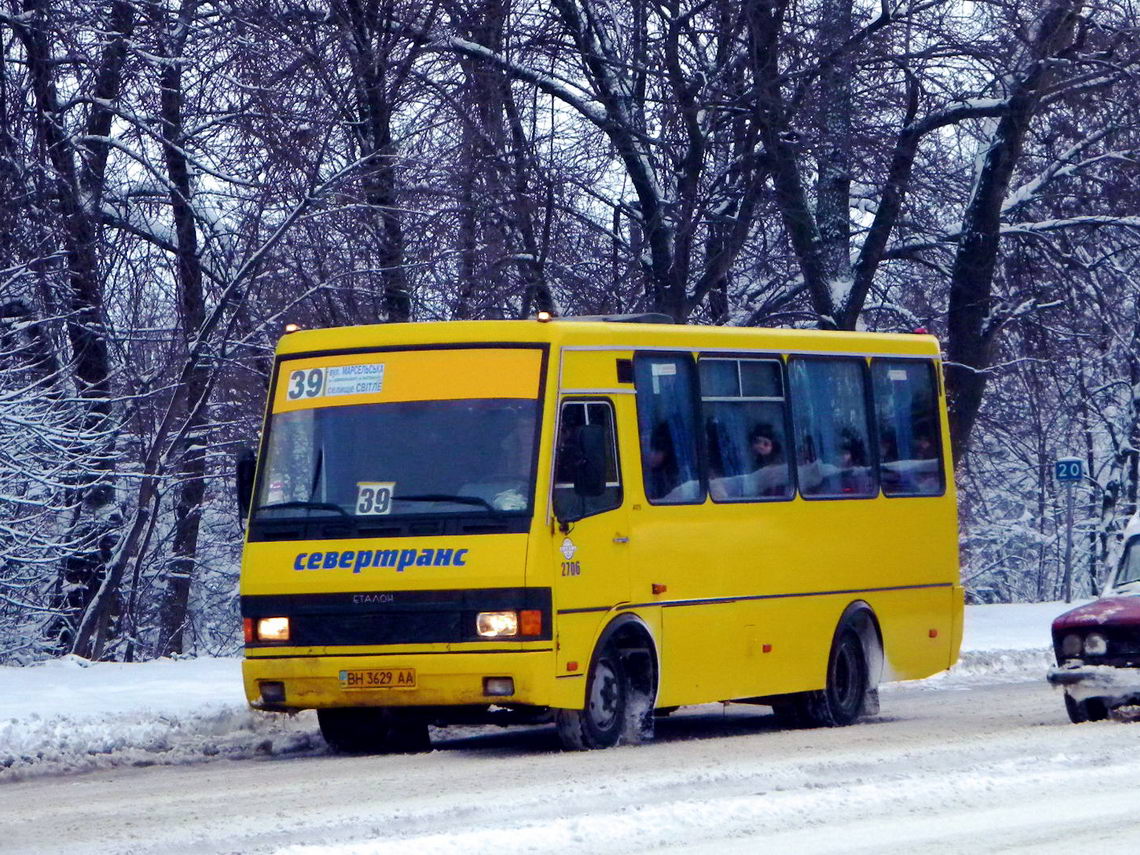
(1082, 681)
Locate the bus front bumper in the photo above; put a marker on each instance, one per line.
(286, 683)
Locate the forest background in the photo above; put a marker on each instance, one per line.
(180, 178)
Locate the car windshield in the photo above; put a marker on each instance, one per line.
(1129, 572)
(405, 458)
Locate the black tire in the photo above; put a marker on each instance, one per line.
(374, 730)
(1078, 710)
(1090, 709)
(842, 700)
(601, 722)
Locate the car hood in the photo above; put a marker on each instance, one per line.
(1119, 611)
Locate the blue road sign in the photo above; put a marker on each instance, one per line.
(1069, 469)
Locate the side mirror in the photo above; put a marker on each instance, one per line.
(590, 465)
(243, 480)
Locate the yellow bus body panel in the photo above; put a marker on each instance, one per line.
(417, 375)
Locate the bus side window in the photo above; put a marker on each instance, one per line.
(742, 402)
(833, 437)
(667, 424)
(576, 415)
(906, 408)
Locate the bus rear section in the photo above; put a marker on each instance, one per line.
(776, 525)
(385, 573)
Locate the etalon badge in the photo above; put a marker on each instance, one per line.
(568, 549)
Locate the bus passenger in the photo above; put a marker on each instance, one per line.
(765, 446)
(766, 474)
(854, 475)
(661, 471)
(770, 472)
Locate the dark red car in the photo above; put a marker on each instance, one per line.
(1098, 645)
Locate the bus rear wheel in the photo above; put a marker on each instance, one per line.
(374, 730)
(599, 724)
(841, 701)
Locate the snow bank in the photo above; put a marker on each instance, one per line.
(1020, 626)
(1007, 642)
(73, 715)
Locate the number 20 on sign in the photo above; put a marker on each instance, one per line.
(1068, 469)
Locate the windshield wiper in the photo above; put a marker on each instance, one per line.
(445, 497)
(310, 506)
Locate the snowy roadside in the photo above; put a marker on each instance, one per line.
(71, 715)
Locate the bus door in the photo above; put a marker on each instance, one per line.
(591, 530)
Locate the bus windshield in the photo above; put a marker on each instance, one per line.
(465, 456)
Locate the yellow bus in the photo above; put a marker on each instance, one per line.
(593, 522)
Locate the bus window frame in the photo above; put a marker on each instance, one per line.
(869, 415)
(615, 445)
(314, 527)
(934, 367)
(789, 438)
(695, 409)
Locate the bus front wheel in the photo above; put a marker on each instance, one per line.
(599, 724)
(373, 730)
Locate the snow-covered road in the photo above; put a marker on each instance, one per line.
(982, 759)
(971, 768)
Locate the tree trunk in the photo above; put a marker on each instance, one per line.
(78, 189)
(366, 36)
(833, 181)
(190, 476)
(973, 325)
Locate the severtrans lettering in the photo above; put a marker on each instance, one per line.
(361, 558)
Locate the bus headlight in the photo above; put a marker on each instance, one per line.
(1096, 644)
(497, 624)
(273, 629)
(1071, 644)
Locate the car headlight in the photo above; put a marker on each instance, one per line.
(497, 624)
(1072, 644)
(1096, 644)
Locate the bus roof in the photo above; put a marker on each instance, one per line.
(606, 334)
